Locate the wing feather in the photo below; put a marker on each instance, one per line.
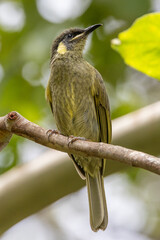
(103, 111)
(48, 95)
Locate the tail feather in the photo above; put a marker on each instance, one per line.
(97, 202)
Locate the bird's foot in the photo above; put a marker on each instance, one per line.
(52, 131)
(72, 139)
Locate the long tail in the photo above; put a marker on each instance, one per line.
(97, 202)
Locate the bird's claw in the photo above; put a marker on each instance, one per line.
(72, 139)
(50, 132)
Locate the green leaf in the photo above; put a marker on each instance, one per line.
(140, 45)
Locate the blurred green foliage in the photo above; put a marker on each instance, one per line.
(32, 45)
(139, 45)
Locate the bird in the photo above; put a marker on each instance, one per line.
(79, 102)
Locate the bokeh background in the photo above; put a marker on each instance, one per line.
(27, 30)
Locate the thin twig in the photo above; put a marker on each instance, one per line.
(15, 123)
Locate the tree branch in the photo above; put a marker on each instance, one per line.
(139, 130)
(15, 123)
(5, 135)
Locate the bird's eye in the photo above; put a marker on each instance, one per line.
(70, 35)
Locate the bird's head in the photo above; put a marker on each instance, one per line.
(71, 40)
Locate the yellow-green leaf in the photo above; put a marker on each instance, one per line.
(140, 45)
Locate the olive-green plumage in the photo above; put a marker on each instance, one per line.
(80, 105)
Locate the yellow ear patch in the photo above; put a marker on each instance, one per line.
(61, 48)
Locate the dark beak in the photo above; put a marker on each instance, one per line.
(91, 28)
(85, 32)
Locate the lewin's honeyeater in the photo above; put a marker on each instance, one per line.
(80, 106)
